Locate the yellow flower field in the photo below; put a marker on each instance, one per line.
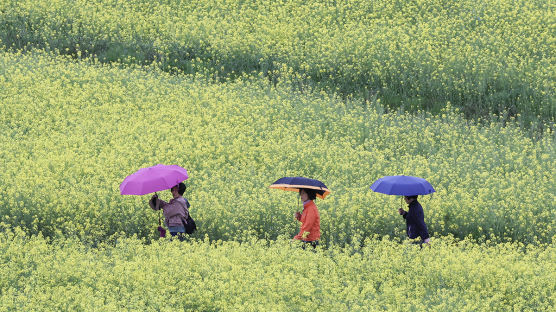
(71, 133)
(273, 276)
(242, 93)
(482, 56)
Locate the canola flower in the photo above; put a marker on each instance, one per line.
(485, 57)
(273, 276)
(72, 131)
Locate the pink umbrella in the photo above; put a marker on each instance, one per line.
(153, 179)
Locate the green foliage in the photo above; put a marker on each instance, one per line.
(273, 89)
(494, 57)
(275, 276)
(71, 132)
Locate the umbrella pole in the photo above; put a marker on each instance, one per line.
(156, 206)
(297, 206)
(161, 230)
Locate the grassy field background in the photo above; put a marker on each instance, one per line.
(71, 132)
(494, 57)
(242, 93)
(274, 276)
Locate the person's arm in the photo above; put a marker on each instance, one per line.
(409, 216)
(152, 203)
(156, 203)
(310, 220)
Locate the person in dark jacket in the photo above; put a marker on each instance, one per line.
(415, 220)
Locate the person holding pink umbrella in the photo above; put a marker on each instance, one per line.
(158, 178)
(176, 211)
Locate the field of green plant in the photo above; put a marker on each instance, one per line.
(241, 93)
(482, 56)
(273, 276)
(71, 133)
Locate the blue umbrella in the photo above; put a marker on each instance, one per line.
(296, 183)
(402, 185)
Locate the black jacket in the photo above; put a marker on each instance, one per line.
(415, 221)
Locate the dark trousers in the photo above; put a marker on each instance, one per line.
(313, 243)
(420, 243)
(180, 235)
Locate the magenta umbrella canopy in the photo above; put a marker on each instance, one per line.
(153, 179)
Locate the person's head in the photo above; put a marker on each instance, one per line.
(410, 199)
(307, 194)
(178, 190)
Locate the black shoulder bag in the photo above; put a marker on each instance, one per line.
(189, 223)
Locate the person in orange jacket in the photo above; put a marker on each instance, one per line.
(309, 233)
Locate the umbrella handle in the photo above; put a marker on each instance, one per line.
(156, 206)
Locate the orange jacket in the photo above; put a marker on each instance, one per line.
(310, 222)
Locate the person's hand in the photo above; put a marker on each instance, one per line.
(401, 211)
(297, 215)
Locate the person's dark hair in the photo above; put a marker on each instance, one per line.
(412, 197)
(181, 188)
(311, 193)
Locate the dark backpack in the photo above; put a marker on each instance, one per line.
(189, 223)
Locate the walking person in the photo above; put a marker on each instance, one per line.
(175, 211)
(415, 220)
(309, 233)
